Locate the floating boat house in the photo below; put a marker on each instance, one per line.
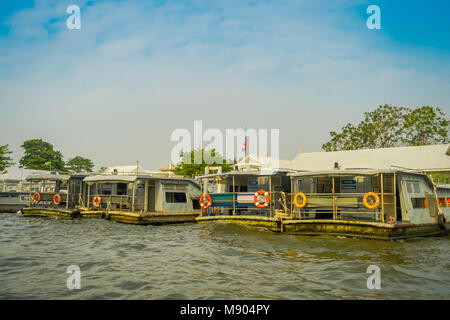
(380, 193)
(54, 195)
(140, 199)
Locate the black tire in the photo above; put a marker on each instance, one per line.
(442, 221)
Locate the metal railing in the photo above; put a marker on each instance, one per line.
(112, 202)
(342, 206)
(242, 203)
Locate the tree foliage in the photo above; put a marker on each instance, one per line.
(5, 160)
(40, 155)
(426, 125)
(79, 164)
(390, 126)
(188, 167)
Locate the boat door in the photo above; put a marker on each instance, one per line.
(151, 197)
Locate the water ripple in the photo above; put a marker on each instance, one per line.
(190, 261)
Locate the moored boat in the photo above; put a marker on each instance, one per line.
(140, 199)
(56, 196)
(12, 201)
(375, 204)
(256, 198)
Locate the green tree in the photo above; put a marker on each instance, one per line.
(426, 125)
(79, 164)
(40, 155)
(381, 128)
(188, 167)
(5, 160)
(102, 169)
(390, 126)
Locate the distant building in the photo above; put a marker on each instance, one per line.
(254, 163)
(127, 170)
(13, 179)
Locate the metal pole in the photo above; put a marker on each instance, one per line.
(132, 201)
(68, 190)
(270, 195)
(334, 200)
(234, 202)
(292, 200)
(146, 197)
(382, 198)
(88, 194)
(395, 195)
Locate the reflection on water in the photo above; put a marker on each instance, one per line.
(209, 261)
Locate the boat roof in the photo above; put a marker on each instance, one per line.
(346, 172)
(269, 172)
(49, 176)
(107, 178)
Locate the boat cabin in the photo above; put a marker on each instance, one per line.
(245, 193)
(48, 190)
(140, 193)
(387, 196)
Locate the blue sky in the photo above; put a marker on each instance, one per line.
(116, 89)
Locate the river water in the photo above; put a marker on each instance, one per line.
(210, 261)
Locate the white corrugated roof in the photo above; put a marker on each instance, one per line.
(15, 173)
(262, 162)
(133, 169)
(423, 158)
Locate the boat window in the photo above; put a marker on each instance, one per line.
(306, 185)
(121, 189)
(176, 197)
(418, 202)
(408, 187)
(413, 186)
(105, 188)
(196, 204)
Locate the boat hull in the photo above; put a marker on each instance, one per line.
(272, 224)
(357, 229)
(50, 212)
(151, 218)
(13, 201)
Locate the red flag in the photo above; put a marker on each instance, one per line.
(245, 145)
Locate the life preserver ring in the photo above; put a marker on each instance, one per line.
(97, 201)
(208, 201)
(56, 199)
(441, 220)
(36, 197)
(374, 205)
(303, 196)
(257, 203)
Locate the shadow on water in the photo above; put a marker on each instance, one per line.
(210, 261)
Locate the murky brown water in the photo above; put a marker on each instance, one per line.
(191, 261)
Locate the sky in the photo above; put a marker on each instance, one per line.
(116, 89)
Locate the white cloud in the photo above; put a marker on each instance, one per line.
(115, 89)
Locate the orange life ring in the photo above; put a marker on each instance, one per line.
(209, 201)
(264, 193)
(56, 199)
(36, 197)
(97, 201)
(300, 205)
(371, 206)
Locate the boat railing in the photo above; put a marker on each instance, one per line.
(46, 199)
(112, 202)
(243, 204)
(343, 206)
